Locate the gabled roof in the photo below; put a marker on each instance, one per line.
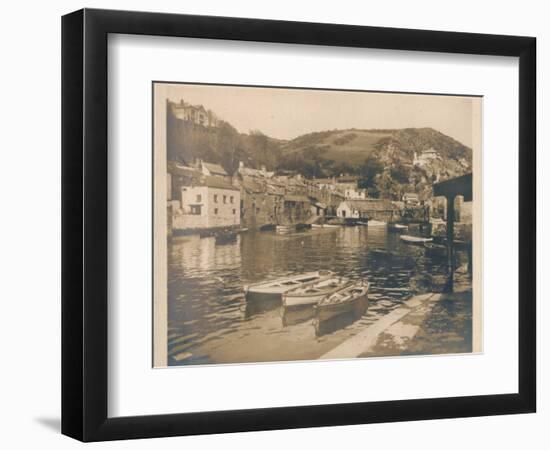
(214, 168)
(247, 171)
(217, 183)
(177, 169)
(275, 189)
(251, 186)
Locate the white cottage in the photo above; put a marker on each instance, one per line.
(355, 209)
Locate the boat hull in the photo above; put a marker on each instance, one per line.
(296, 301)
(254, 296)
(414, 240)
(274, 290)
(330, 311)
(376, 223)
(284, 229)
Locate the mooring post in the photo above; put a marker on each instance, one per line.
(450, 240)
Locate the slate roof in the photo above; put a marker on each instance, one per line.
(214, 168)
(251, 186)
(217, 183)
(178, 169)
(247, 171)
(296, 198)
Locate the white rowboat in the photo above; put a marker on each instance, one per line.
(284, 229)
(376, 223)
(352, 299)
(325, 225)
(414, 239)
(311, 293)
(274, 289)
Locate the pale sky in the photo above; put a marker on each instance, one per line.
(288, 113)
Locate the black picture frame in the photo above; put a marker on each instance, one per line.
(84, 224)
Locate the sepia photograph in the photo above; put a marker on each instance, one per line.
(299, 224)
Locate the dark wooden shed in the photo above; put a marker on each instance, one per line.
(450, 189)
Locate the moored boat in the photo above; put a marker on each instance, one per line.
(376, 223)
(314, 291)
(284, 228)
(226, 237)
(303, 226)
(274, 289)
(435, 250)
(268, 227)
(324, 225)
(397, 227)
(352, 299)
(408, 239)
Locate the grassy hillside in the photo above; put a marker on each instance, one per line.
(352, 146)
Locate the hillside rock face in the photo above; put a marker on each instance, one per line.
(383, 159)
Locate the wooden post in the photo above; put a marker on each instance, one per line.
(450, 241)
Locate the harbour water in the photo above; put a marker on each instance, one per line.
(208, 318)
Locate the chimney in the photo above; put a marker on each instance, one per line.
(241, 165)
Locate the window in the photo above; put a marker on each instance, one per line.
(257, 210)
(225, 198)
(196, 210)
(231, 199)
(215, 198)
(199, 198)
(216, 211)
(234, 211)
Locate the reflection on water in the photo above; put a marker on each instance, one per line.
(210, 322)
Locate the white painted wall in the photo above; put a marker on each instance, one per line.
(30, 263)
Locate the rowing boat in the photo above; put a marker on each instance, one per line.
(273, 290)
(324, 225)
(376, 223)
(314, 291)
(352, 299)
(414, 239)
(397, 227)
(284, 228)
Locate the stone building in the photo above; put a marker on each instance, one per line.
(425, 158)
(373, 209)
(411, 198)
(196, 114)
(354, 209)
(207, 204)
(261, 197)
(297, 209)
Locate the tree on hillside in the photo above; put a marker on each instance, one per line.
(368, 172)
(400, 173)
(228, 144)
(388, 187)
